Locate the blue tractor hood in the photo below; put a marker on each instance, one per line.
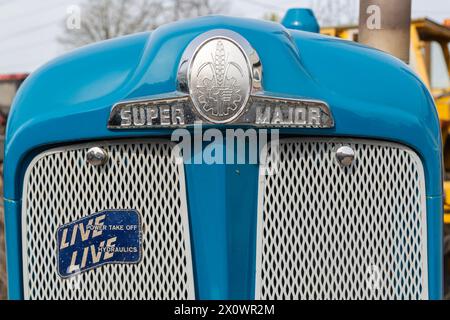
(370, 93)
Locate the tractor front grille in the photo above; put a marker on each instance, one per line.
(332, 232)
(60, 187)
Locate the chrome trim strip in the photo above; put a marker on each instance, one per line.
(176, 102)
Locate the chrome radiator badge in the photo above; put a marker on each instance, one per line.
(220, 82)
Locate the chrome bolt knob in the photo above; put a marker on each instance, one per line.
(345, 156)
(97, 156)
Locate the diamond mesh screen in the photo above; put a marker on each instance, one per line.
(332, 232)
(60, 187)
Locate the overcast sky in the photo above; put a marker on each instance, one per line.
(29, 28)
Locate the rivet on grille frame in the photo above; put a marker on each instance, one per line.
(345, 156)
(97, 156)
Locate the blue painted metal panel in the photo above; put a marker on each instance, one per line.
(435, 243)
(371, 95)
(13, 249)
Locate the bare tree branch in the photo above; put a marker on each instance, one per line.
(105, 19)
(336, 12)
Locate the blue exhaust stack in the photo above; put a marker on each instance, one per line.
(301, 19)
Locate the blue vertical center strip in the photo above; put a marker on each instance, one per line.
(242, 196)
(222, 206)
(207, 215)
(205, 185)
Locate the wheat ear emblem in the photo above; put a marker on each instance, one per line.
(219, 65)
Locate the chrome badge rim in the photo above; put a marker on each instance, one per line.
(220, 70)
(219, 86)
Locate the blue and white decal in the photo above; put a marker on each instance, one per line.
(111, 236)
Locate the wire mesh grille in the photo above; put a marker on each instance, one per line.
(332, 232)
(61, 187)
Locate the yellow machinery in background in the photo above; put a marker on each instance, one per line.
(430, 57)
